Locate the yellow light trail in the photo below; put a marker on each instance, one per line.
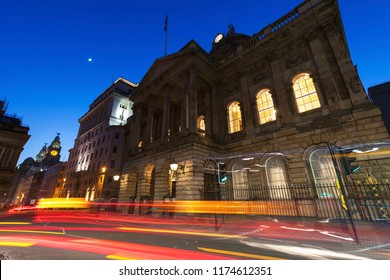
(118, 257)
(239, 254)
(15, 223)
(16, 244)
(76, 203)
(31, 231)
(181, 232)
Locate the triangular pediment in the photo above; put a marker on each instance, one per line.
(158, 68)
(178, 59)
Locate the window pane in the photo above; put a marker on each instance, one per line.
(265, 106)
(240, 182)
(305, 93)
(277, 178)
(324, 173)
(235, 120)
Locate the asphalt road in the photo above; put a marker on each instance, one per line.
(83, 235)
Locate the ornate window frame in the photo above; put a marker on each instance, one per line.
(235, 121)
(276, 171)
(323, 172)
(240, 179)
(265, 106)
(305, 93)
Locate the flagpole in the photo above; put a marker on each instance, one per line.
(166, 35)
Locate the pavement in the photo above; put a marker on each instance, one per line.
(370, 239)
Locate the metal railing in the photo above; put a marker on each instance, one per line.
(365, 202)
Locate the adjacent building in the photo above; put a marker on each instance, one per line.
(13, 136)
(95, 161)
(53, 181)
(380, 96)
(38, 178)
(271, 108)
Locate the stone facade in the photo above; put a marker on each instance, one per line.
(37, 178)
(13, 136)
(183, 109)
(96, 157)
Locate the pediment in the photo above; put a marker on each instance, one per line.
(157, 69)
(164, 64)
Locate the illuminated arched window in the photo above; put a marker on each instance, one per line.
(240, 181)
(235, 119)
(305, 93)
(201, 123)
(324, 173)
(277, 177)
(265, 106)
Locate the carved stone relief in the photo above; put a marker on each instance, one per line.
(232, 91)
(259, 76)
(354, 84)
(330, 90)
(294, 60)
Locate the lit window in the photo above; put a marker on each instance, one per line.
(240, 181)
(305, 93)
(201, 123)
(235, 119)
(265, 106)
(323, 173)
(277, 178)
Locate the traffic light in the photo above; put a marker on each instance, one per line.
(348, 161)
(222, 175)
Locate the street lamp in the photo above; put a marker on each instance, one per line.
(116, 177)
(174, 166)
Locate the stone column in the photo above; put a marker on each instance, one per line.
(323, 57)
(193, 102)
(280, 94)
(208, 112)
(135, 138)
(218, 113)
(184, 106)
(165, 121)
(247, 106)
(149, 124)
(348, 72)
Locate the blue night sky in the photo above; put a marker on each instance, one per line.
(45, 45)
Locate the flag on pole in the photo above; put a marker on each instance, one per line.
(166, 23)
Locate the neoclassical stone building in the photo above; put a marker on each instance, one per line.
(96, 157)
(13, 136)
(268, 106)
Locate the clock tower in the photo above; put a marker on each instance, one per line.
(53, 151)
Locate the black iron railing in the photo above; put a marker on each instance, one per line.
(365, 202)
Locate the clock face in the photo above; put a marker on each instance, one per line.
(218, 38)
(54, 153)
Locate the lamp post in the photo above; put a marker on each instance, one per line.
(174, 166)
(116, 178)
